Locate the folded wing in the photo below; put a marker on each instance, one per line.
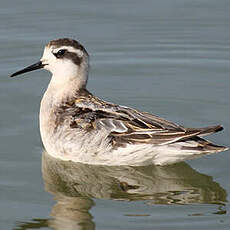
(126, 125)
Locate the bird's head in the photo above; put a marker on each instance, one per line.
(66, 59)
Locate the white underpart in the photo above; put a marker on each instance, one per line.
(133, 155)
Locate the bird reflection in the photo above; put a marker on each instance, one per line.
(178, 184)
(74, 184)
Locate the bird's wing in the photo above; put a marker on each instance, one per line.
(126, 125)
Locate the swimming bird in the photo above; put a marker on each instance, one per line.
(78, 126)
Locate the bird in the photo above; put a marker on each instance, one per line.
(77, 126)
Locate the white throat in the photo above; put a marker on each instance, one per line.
(69, 73)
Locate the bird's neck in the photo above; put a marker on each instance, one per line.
(65, 88)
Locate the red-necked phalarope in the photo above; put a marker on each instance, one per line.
(75, 125)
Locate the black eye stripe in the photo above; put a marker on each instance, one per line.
(73, 57)
(63, 53)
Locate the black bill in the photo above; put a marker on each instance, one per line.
(35, 66)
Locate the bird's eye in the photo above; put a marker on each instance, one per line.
(60, 53)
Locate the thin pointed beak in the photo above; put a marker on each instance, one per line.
(35, 66)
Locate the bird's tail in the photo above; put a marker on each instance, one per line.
(207, 130)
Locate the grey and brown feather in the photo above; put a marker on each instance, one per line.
(127, 125)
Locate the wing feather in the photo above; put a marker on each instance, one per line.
(126, 125)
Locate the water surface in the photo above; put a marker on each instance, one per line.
(170, 58)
